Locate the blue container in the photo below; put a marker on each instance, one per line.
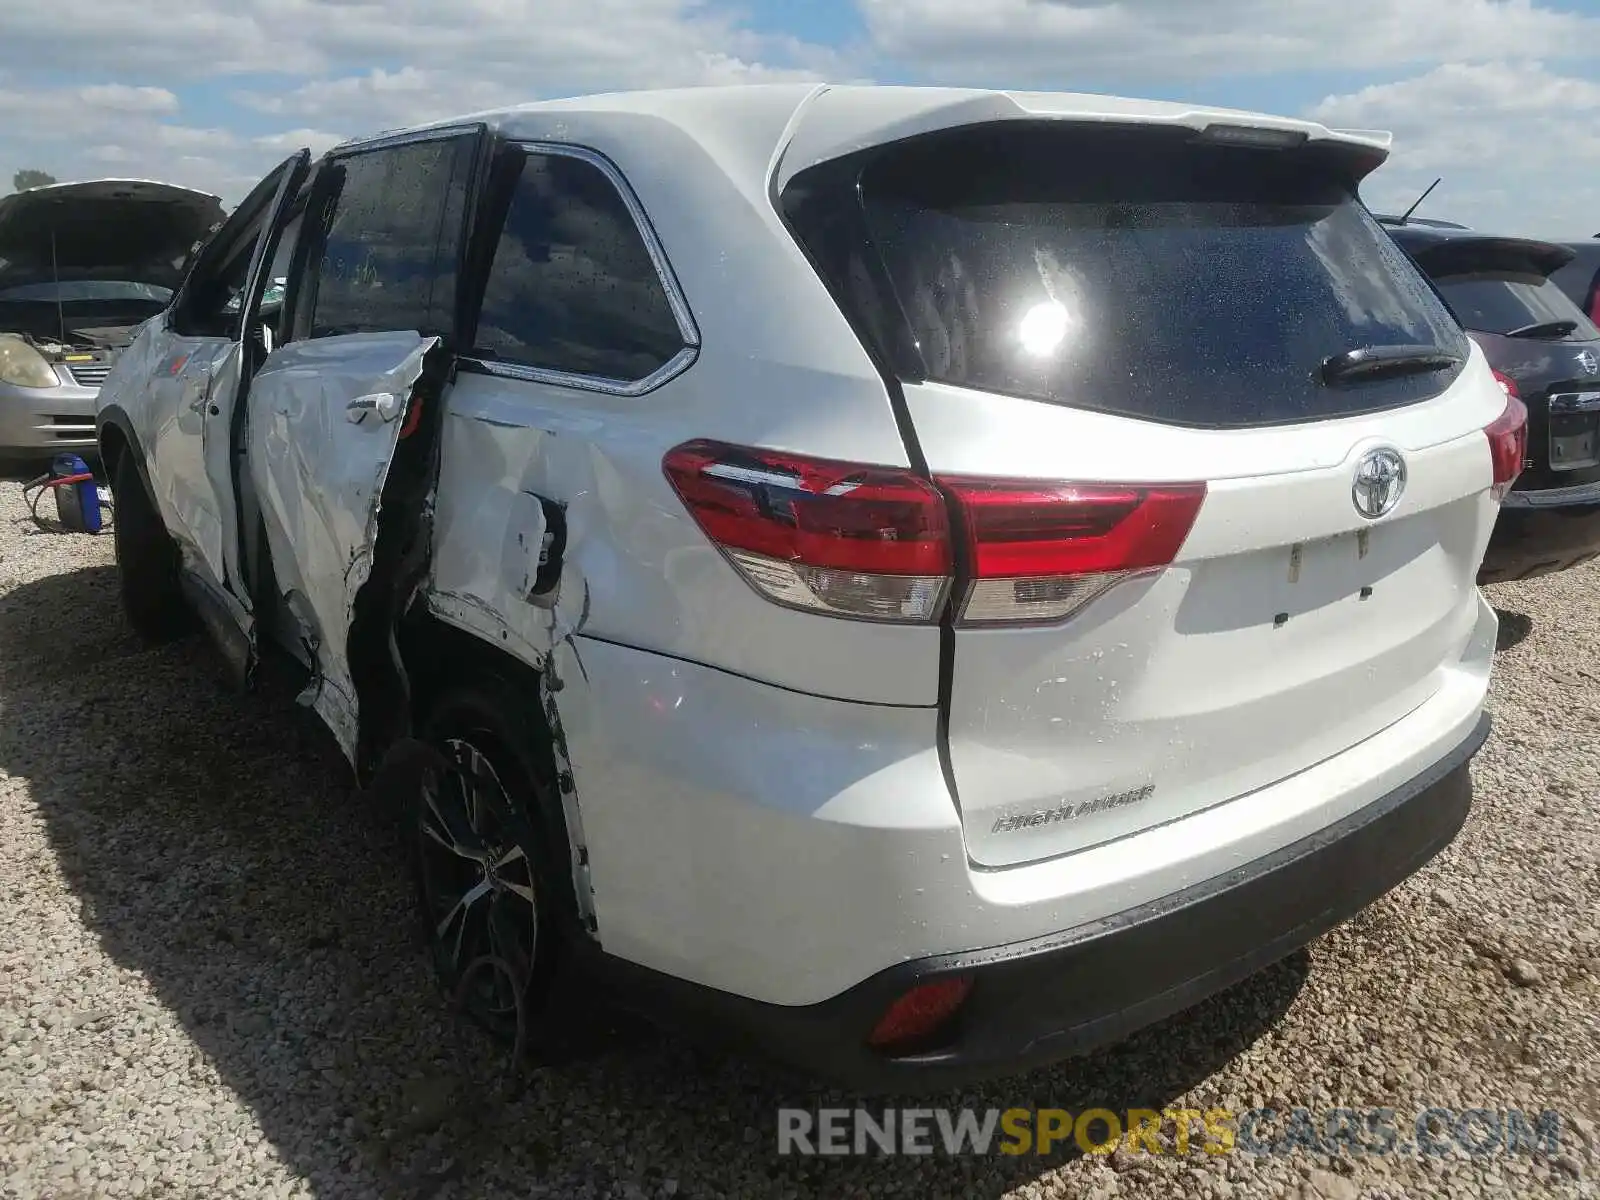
(77, 494)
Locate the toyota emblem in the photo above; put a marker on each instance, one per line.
(1380, 479)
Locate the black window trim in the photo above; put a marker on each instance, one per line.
(213, 256)
(687, 329)
(300, 296)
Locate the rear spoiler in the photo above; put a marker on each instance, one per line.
(1458, 255)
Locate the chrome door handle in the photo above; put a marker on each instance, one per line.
(385, 404)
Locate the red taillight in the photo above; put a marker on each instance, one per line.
(1594, 306)
(919, 1014)
(875, 542)
(1038, 551)
(817, 534)
(1507, 384)
(1508, 440)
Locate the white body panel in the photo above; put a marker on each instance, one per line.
(785, 847)
(1184, 681)
(764, 794)
(319, 477)
(180, 399)
(636, 569)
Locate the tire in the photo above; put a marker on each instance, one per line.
(489, 853)
(147, 560)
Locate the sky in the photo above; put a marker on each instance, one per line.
(1499, 97)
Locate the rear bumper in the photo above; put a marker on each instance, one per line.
(1043, 1000)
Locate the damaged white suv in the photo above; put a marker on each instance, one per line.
(928, 581)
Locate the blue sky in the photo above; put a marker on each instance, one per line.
(1501, 97)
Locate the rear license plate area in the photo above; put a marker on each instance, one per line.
(1574, 431)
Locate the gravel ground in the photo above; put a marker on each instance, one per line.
(208, 987)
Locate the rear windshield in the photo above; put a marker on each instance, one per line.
(1509, 301)
(1132, 271)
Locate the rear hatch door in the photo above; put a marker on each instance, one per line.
(1138, 356)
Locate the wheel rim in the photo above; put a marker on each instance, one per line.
(477, 883)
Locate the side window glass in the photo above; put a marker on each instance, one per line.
(208, 303)
(572, 287)
(381, 254)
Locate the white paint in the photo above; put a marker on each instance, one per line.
(319, 479)
(759, 789)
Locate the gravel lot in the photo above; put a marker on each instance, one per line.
(208, 985)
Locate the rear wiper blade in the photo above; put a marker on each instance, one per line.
(1544, 329)
(1385, 362)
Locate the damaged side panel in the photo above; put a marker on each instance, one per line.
(507, 565)
(326, 416)
(184, 375)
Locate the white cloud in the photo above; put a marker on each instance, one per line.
(84, 132)
(1517, 145)
(116, 97)
(1515, 140)
(319, 55)
(537, 46)
(1051, 42)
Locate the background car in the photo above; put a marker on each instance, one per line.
(82, 264)
(1546, 351)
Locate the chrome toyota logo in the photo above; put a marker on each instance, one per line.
(1380, 478)
(1588, 361)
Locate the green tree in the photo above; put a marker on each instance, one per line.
(28, 177)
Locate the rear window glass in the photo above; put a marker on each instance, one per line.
(1507, 301)
(1135, 271)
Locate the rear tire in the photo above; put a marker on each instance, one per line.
(489, 852)
(147, 560)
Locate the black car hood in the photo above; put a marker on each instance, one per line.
(134, 230)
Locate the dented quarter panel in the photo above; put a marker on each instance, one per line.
(319, 478)
(636, 568)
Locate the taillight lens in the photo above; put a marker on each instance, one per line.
(1038, 551)
(1508, 440)
(876, 542)
(832, 537)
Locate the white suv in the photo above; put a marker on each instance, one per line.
(928, 581)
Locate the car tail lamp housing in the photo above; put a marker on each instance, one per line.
(1508, 440)
(884, 544)
(919, 1014)
(1037, 552)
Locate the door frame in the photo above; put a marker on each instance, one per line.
(381, 716)
(297, 169)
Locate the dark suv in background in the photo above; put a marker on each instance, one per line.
(1545, 350)
(1580, 278)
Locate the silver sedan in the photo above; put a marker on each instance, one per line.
(81, 266)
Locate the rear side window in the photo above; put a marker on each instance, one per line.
(1129, 270)
(1511, 301)
(573, 288)
(390, 248)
